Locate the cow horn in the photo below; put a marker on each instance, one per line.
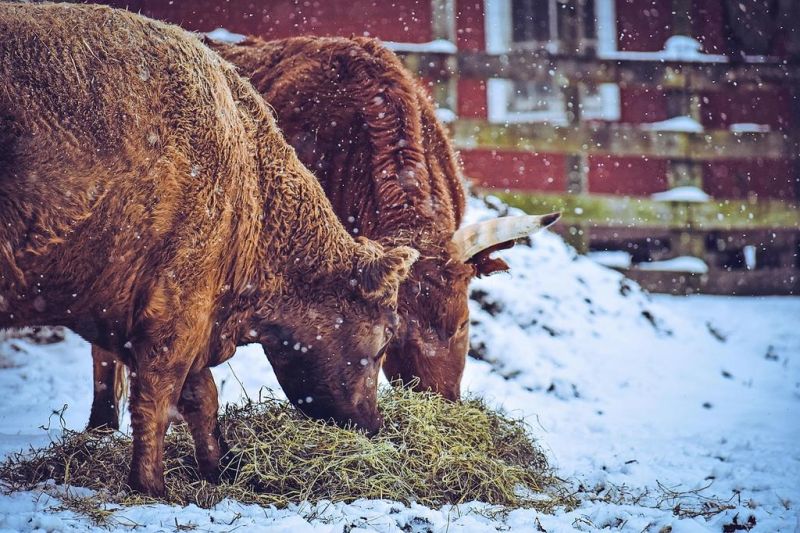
(477, 237)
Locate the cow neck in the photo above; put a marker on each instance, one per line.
(288, 233)
(304, 238)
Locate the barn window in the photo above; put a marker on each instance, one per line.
(534, 96)
(556, 26)
(531, 21)
(552, 24)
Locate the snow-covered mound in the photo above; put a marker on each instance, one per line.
(549, 307)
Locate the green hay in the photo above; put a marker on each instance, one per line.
(431, 451)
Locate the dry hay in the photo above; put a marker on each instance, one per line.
(431, 451)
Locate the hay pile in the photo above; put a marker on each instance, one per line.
(431, 451)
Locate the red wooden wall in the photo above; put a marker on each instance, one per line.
(642, 25)
(395, 20)
(741, 178)
(516, 170)
(634, 176)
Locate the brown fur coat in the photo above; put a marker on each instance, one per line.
(148, 202)
(368, 131)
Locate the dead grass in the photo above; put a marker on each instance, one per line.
(431, 451)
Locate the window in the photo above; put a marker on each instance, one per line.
(552, 23)
(515, 101)
(530, 21)
(513, 25)
(533, 96)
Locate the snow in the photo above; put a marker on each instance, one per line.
(685, 193)
(446, 115)
(749, 252)
(684, 263)
(677, 124)
(749, 127)
(628, 392)
(683, 48)
(438, 46)
(676, 48)
(225, 36)
(611, 259)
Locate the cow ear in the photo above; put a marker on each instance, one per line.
(378, 274)
(485, 264)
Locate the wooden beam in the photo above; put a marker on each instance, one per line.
(691, 76)
(623, 140)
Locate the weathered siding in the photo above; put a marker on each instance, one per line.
(635, 176)
(516, 170)
(400, 20)
(742, 178)
(770, 106)
(642, 25)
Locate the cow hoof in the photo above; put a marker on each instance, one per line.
(106, 421)
(212, 468)
(214, 462)
(154, 488)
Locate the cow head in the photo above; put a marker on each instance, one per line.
(327, 346)
(433, 338)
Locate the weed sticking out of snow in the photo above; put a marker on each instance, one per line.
(431, 451)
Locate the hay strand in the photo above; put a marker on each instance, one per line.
(431, 451)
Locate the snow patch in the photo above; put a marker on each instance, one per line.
(684, 263)
(677, 124)
(686, 193)
(749, 127)
(225, 36)
(676, 48)
(611, 258)
(446, 115)
(438, 46)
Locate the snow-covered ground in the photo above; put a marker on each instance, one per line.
(640, 400)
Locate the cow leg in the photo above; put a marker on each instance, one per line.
(154, 393)
(109, 382)
(199, 406)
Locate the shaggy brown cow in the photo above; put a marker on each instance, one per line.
(369, 133)
(149, 202)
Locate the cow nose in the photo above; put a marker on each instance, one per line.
(452, 395)
(370, 421)
(373, 426)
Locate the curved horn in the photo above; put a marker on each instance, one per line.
(477, 237)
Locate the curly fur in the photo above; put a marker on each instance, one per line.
(357, 119)
(149, 202)
(369, 133)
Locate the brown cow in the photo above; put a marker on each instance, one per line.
(149, 203)
(368, 131)
(361, 123)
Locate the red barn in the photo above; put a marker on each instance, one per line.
(593, 103)
(713, 31)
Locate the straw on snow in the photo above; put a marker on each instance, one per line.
(431, 451)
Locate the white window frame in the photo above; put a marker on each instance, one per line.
(498, 29)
